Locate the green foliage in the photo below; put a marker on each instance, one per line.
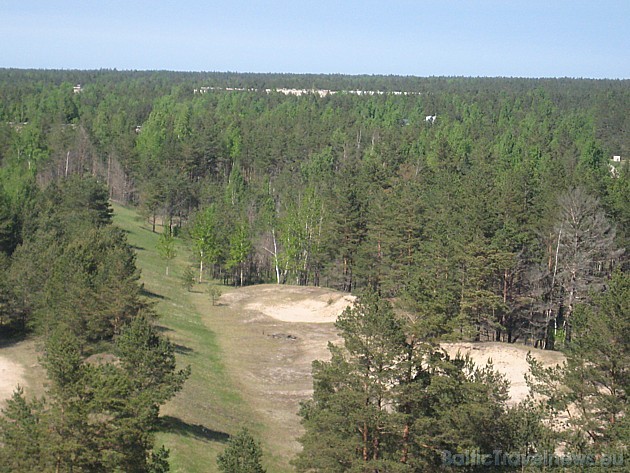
(300, 232)
(214, 292)
(149, 360)
(166, 246)
(239, 252)
(389, 401)
(82, 277)
(346, 190)
(466, 223)
(593, 383)
(22, 435)
(8, 225)
(242, 455)
(188, 279)
(205, 238)
(96, 417)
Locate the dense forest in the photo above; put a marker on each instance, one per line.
(460, 208)
(475, 212)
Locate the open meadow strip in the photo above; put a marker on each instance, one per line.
(270, 358)
(197, 423)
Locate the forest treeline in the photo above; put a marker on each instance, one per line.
(499, 215)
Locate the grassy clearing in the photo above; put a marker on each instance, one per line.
(197, 423)
(270, 359)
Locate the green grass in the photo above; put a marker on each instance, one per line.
(196, 424)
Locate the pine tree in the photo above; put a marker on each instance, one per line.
(242, 455)
(22, 435)
(149, 360)
(592, 387)
(389, 401)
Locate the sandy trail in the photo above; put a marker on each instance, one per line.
(11, 375)
(272, 335)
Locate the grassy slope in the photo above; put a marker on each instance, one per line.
(199, 419)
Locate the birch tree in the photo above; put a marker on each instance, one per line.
(240, 250)
(166, 246)
(205, 238)
(301, 236)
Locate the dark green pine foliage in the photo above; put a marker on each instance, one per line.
(591, 389)
(242, 455)
(348, 421)
(388, 401)
(348, 230)
(8, 225)
(22, 435)
(148, 359)
(96, 417)
(73, 266)
(71, 444)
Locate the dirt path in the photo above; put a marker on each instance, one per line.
(11, 374)
(270, 336)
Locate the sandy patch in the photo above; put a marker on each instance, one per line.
(11, 374)
(311, 306)
(508, 359)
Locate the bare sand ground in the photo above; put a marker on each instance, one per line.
(508, 359)
(318, 305)
(301, 304)
(11, 375)
(19, 365)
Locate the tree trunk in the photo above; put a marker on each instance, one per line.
(365, 441)
(200, 266)
(405, 452)
(275, 254)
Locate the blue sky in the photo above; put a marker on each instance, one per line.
(524, 38)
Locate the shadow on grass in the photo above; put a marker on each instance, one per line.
(152, 295)
(182, 349)
(175, 425)
(163, 329)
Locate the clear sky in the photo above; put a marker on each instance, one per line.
(524, 38)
